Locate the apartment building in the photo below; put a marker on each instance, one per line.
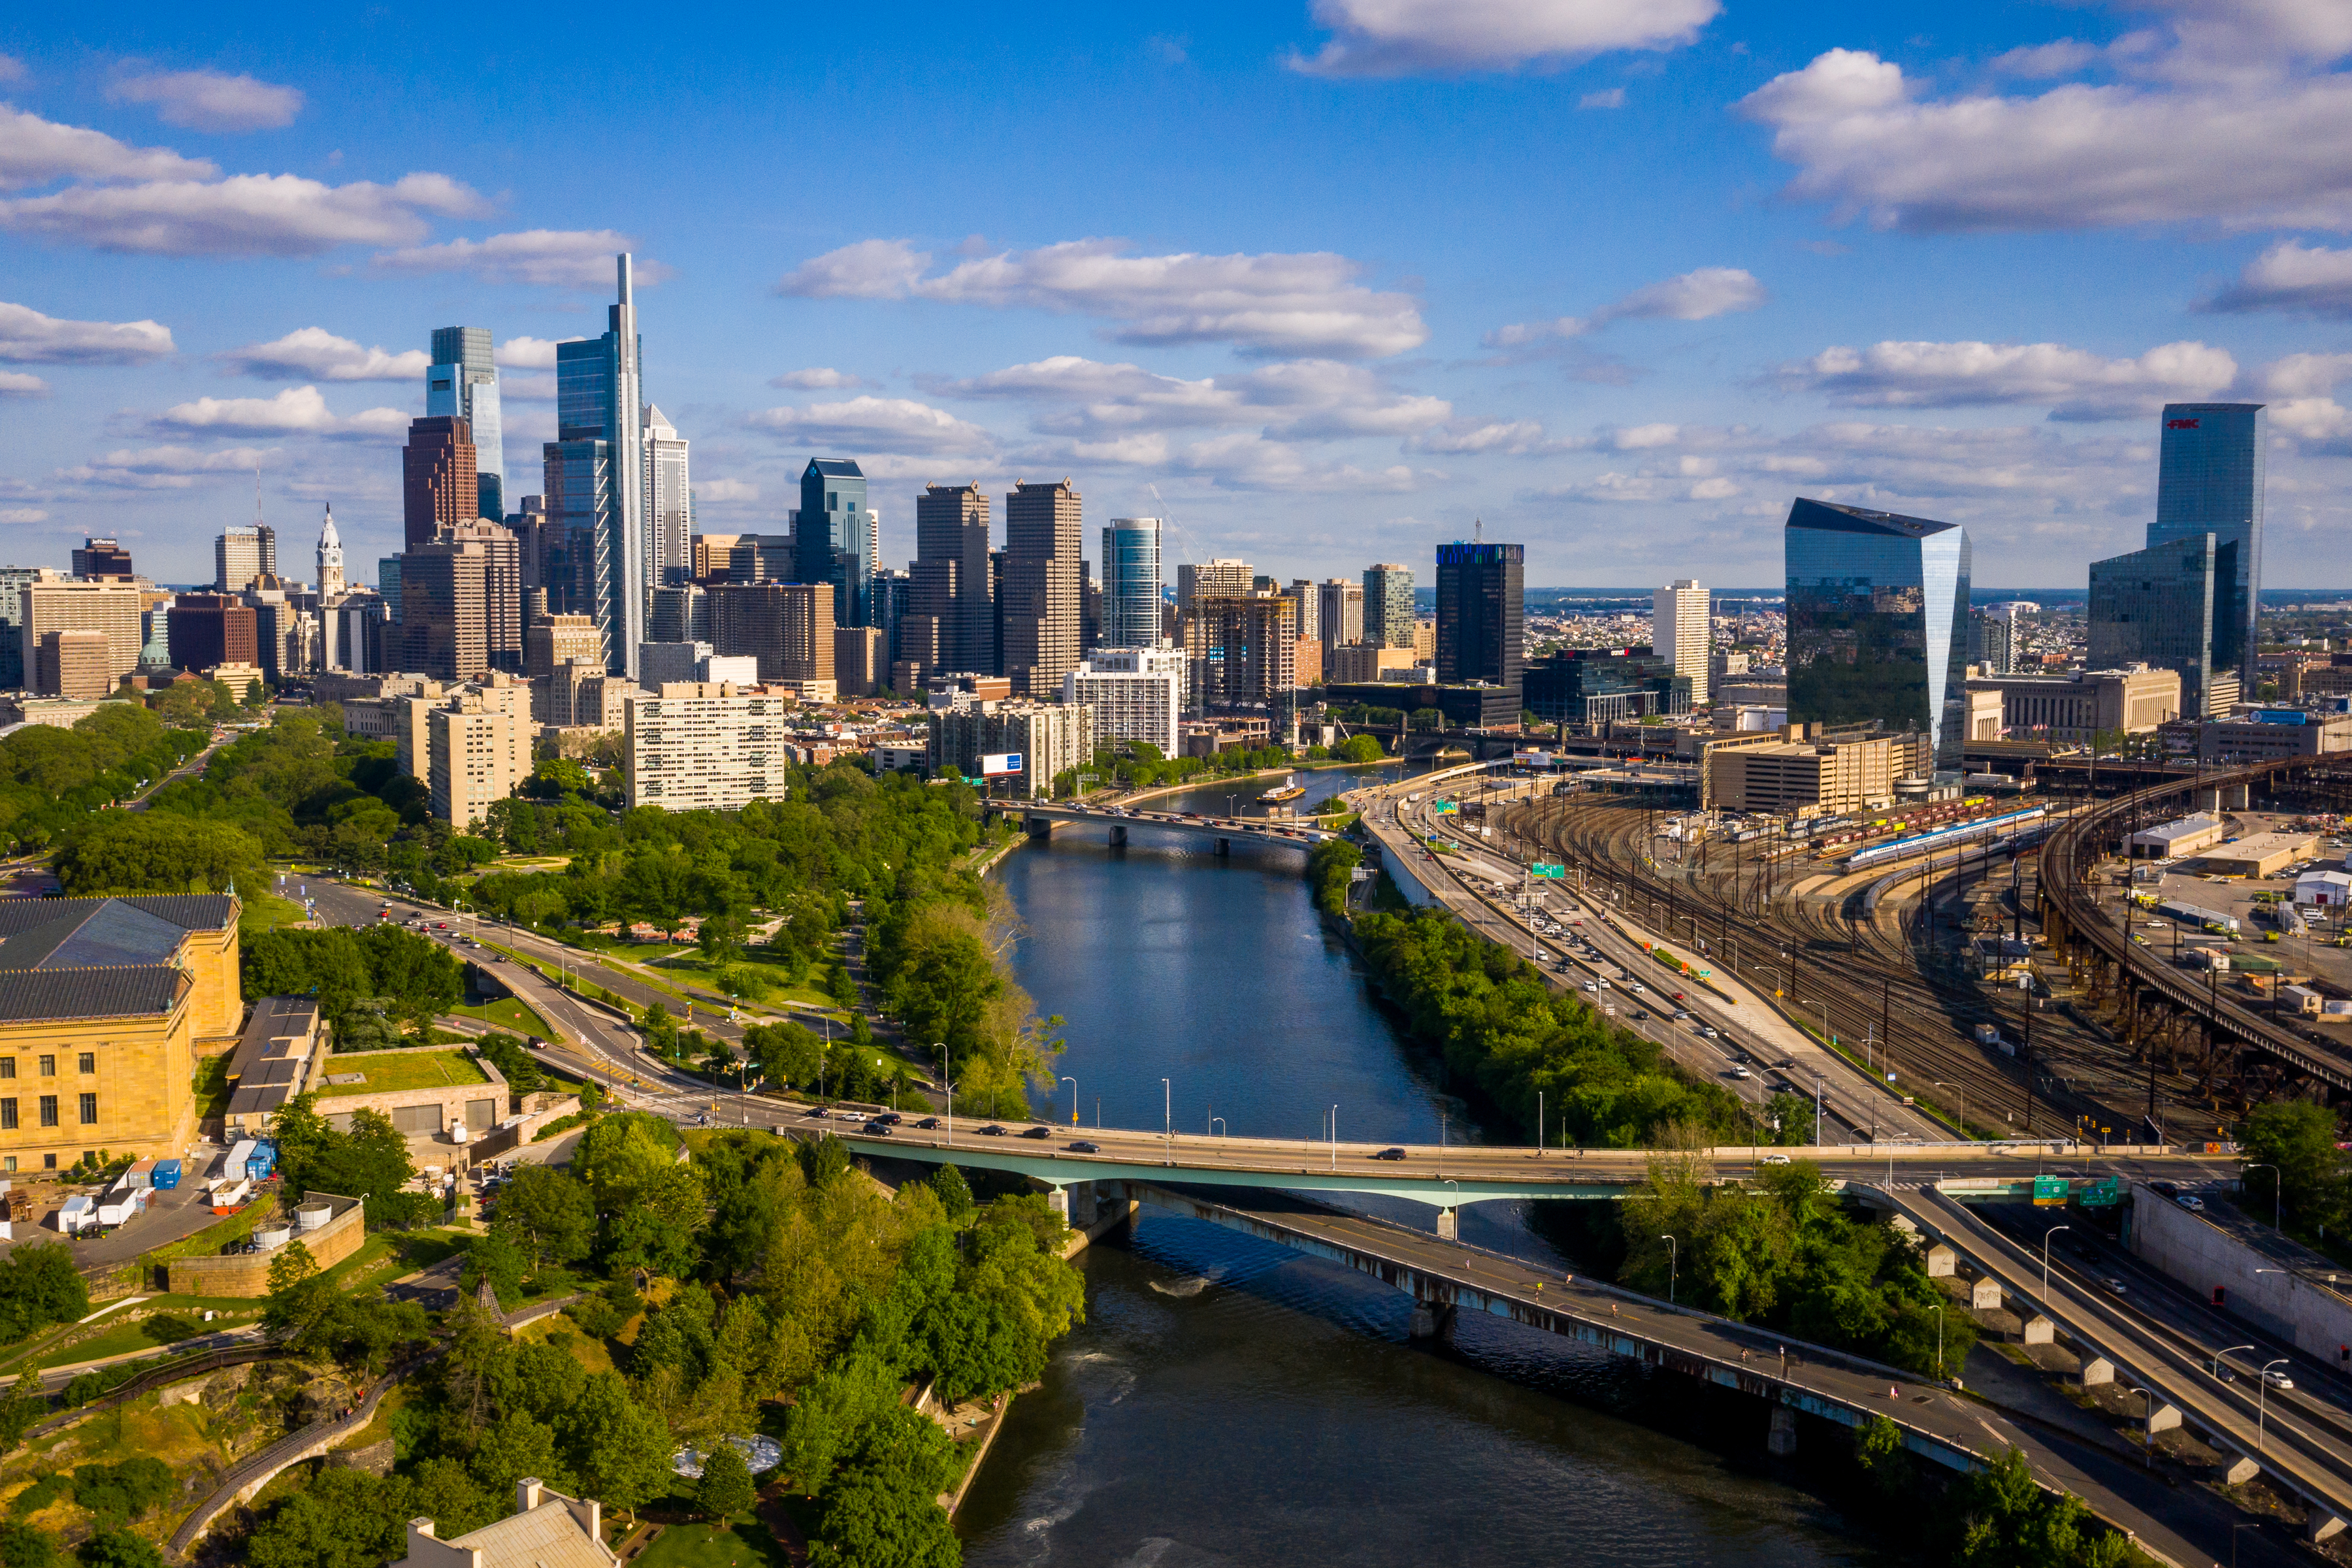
(706, 746)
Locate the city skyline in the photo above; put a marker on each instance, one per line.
(1246, 336)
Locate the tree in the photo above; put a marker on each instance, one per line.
(518, 1446)
(550, 1215)
(158, 852)
(1362, 749)
(954, 1192)
(2288, 1155)
(40, 1285)
(725, 1488)
(495, 1258)
(118, 1549)
(22, 1546)
(299, 1299)
(618, 1451)
(660, 1031)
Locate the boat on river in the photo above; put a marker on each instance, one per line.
(1289, 789)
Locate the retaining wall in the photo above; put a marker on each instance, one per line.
(2201, 1254)
(247, 1273)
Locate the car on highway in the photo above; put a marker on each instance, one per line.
(2165, 1189)
(992, 1131)
(815, 1114)
(1641, 1012)
(928, 1124)
(2277, 1379)
(1776, 1160)
(1590, 985)
(1638, 989)
(1083, 1146)
(1680, 1013)
(1038, 1133)
(2193, 1205)
(2112, 1286)
(889, 1119)
(1390, 1154)
(877, 1130)
(1709, 1031)
(1739, 1071)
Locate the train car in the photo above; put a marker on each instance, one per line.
(1939, 838)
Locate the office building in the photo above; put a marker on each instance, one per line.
(579, 695)
(2156, 606)
(1304, 593)
(706, 746)
(710, 553)
(1340, 612)
(1481, 594)
(1388, 606)
(102, 558)
(1424, 639)
(950, 588)
(72, 664)
(1245, 650)
(443, 603)
(1050, 738)
(1223, 578)
(330, 556)
(502, 621)
(832, 537)
(1589, 688)
(477, 747)
(1359, 661)
(352, 634)
(680, 613)
(2086, 706)
(13, 580)
(1130, 583)
(1682, 629)
(387, 584)
(1137, 695)
(154, 630)
(240, 556)
(1041, 596)
(210, 629)
(666, 663)
(669, 499)
(462, 383)
(52, 603)
(1306, 657)
(2209, 480)
(551, 640)
(2268, 734)
(860, 665)
(1992, 640)
(438, 478)
(595, 481)
(1798, 777)
(786, 627)
(1877, 609)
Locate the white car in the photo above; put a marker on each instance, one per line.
(1590, 985)
(2277, 1379)
(1775, 1160)
(1739, 1071)
(2193, 1205)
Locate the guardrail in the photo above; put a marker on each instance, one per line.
(161, 1377)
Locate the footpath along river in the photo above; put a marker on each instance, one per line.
(1228, 1402)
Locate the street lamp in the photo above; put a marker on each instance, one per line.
(1168, 1127)
(1671, 1267)
(2262, 1388)
(1939, 1310)
(1074, 1098)
(2219, 1354)
(1335, 1137)
(2147, 1442)
(947, 1081)
(2045, 1259)
(2278, 1189)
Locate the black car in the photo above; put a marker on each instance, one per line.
(1083, 1147)
(928, 1124)
(877, 1130)
(992, 1131)
(2167, 1189)
(889, 1119)
(1390, 1154)
(814, 1113)
(1038, 1133)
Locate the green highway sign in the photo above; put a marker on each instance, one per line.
(1545, 868)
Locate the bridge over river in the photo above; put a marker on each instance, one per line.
(1041, 818)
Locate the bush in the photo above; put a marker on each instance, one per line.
(597, 1318)
(170, 1328)
(725, 1488)
(119, 1493)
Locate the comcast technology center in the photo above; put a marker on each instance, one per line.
(1877, 623)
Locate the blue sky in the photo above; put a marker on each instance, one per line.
(1332, 277)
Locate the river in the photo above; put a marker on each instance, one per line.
(1228, 1402)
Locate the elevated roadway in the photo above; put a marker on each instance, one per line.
(1225, 831)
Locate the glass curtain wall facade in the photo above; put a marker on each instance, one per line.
(832, 539)
(1388, 606)
(1878, 623)
(2156, 606)
(950, 580)
(669, 501)
(598, 404)
(1130, 591)
(1481, 625)
(463, 381)
(2209, 480)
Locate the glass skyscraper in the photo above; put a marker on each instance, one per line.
(596, 477)
(1878, 611)
(2209, 480)
(464, 381)
(832, 538)
(1131, 591)
(1481, 614)
(2156, 606)
(1388, 605)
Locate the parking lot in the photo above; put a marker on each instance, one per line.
(2310, 957)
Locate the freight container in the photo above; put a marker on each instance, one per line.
(262, 1163)
(229, 1197)
(233, 1168)
(140, 1175)
(167, 1174)
(80, 1213)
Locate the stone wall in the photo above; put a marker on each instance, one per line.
(2201, 1254)
(247, 1273)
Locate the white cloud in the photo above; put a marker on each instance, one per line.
(1697, 296)
(165, 467)
(564, 258)
(245, 215)
(17, 384)
(1514, 437)
(821, 379)
(11, 69)
(527, 387)
(28, 337)
(722, 491)
(33, 151)
(894, 425)
(212, 100)
(1611, 98)
(1271, 303)
(2040, 61)
(526, 354)
(1297, 399)
(316, 352)
(2290, 276)
(2075, 384)
(2251, 147)
(297, 409)
(22, 514)
(1405, 37)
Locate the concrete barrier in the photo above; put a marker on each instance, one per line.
(1985, 1294)
(2039, 1330)
(2097, 1370)
(2260, 1289)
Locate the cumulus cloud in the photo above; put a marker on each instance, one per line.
(893, 425)
(22, 514)
(2306, 280)
(1272, 303)
(1407, 37)
(1297, 399)
(33, 151)
(720, 491)
(1511, 437)
(211, 101)
(165, 467)
(2255, 146)
(245, 215)
(17, 384)
(820, 379)
(316, 352)
(2075, 384)
(526, 354)
(563, 258)
(28, 337)
(296, 409)
(1611, 98)
(1699, 296)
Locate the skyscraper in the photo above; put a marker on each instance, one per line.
(1877, 623)
(832, 537)
(596, 479)
(1388, 606)
(1247, 650)
(1481, 628)
(670, 501)
(951, 582)
(1130, 583)
(1041, 550)
(331, 559)
(2209, 480)
(238, 559)
(1304, 593)
(437, 477)
(2156, 606)
(1681, 631)
(102, 558)
(1340, 613)
(1197, 580)
(463, 383)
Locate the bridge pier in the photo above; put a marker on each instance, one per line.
(1224, 846)
(1445, 1225)
(1038, 826)
(1433, 1321)
(1082, 1205)
(1119, 833)
(1781, 1442)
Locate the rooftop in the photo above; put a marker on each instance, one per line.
(390, 1072)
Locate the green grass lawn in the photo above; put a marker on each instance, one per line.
(211, 1087)
(265, 912)
(692, 966)
(742, 1539)
(387, 1072)
(510, 1015)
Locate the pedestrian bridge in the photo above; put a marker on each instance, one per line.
(1225, 831)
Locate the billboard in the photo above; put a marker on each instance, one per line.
(996, 764)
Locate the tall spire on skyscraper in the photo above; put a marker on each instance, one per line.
(330, 559)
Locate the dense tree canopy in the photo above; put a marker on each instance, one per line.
(54, 781)
(400, 974)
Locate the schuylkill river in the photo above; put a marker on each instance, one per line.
(1230, 1402)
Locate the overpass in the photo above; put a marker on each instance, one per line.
(1041, 819)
